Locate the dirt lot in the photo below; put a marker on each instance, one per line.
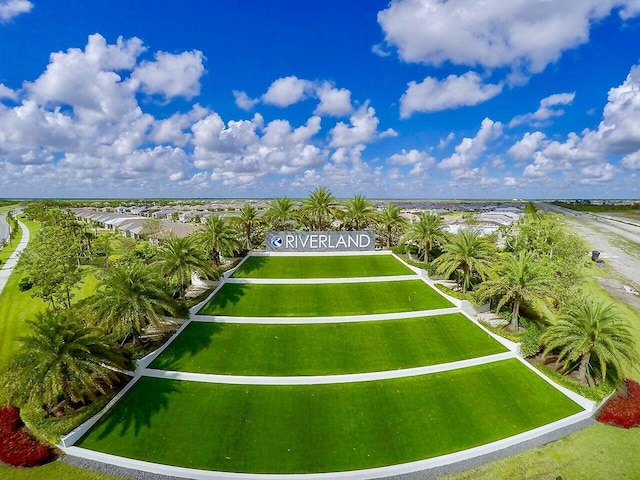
(616, 290)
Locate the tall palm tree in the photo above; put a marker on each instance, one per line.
(468, 254)
(516, 279)
(179, 258)
(321, 207)
(218, 238)
(61, 363)
(592, 330)
(426, 232)
(359, 212)
(280, 212)
(248, 219)
(390, 219)
(129, 298)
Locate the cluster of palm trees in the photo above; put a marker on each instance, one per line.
(76, 353)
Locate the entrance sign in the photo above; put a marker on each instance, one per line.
(320, 241)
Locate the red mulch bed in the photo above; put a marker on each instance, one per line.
(623, 409)
(17, 446)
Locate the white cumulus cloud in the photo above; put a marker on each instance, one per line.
(334, 102)
(432, 95)
(287, 91)
(9, 9)
(171, 75)
(524, 148)
(469, 149)
(527, 34)
(243, 100)
(546, 110)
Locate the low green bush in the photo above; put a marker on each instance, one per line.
(514, 337)
(530, 340)
(50, 429)
(25, 284)
(597, 393)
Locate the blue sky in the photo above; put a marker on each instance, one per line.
(408, 99)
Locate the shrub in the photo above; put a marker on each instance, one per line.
(25, 284)
(17, 447)
(623, 410)
(597, 393)
(530, 341)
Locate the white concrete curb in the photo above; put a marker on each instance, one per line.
(326, 379)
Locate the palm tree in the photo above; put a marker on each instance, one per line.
(592, 330)
(516, 279)
(129, 298)
(62, 363)
(426, 232)
(248, 219)
(390, 218)
(468, 254)
(179, 258)
(359, 212)
(321, 206)
(218, 238)
(281, 211)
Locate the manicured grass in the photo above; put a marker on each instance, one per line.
(319, 428)
(321, 267)
(8, 249)
(52, 471)
(325, 348)
(264, 300)
(599, 452)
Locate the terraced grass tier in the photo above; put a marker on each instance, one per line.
(264, 300)
(323, 428)
(321, 267)
(325, 348)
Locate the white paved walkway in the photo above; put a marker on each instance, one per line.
(7, 268)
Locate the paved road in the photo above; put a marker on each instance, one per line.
(4, 227)
(7, 268)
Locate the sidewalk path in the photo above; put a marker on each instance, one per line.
(12, 261)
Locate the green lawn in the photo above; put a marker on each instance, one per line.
(599, 452)
(321, 267)
(52, 471)
(325, 348)
(263, 300)
(319, 428)
(8, 249)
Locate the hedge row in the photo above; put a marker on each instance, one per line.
(17, 447)
(623, 410)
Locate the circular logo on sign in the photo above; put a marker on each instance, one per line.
(276, 242)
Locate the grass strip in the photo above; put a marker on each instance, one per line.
(321, 267)
(263, 300)
(325, 348)
(322, 428)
